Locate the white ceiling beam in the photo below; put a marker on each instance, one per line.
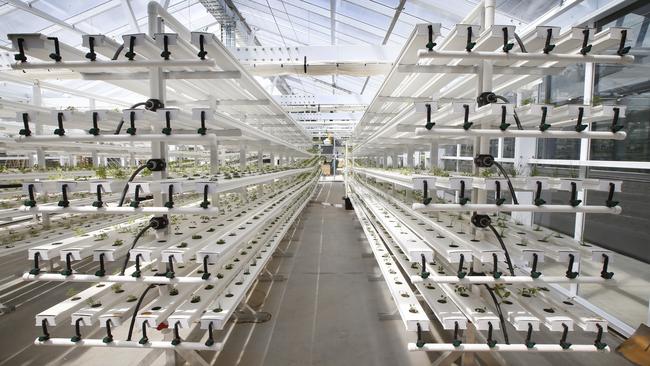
(41, 14)
(130, 15)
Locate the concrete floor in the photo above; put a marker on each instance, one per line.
(326, 312)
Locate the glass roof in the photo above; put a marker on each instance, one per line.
(274, 22)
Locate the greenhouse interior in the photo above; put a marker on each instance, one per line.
(324, 182)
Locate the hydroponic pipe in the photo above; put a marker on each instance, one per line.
(482, 347)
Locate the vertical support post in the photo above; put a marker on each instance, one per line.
(260, 158)
(242, 158)
(37, 100)
(585, 148)
(409, 157)
(433, 155)
(394, 160)
(273, 161)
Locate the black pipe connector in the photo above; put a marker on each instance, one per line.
(202, 130)
(420, 342)
(461, 272)
(456, 341)
(495, 266)
(131, 130)
(102, 270)
(615, 126)
(504, 126)
(206, 273)
(423, 264)
(31, 202)
(565, 332)
(77, 331)
(56, 55)
(499, 200)
(538, 195)
(36, 270)
(570, 273)
(165, 53)
(144, 339)
(534, 273)
(205, 202)
(20, 56)
(574, 201)
(167, 130)
(64, 202)
(46, 334)
(543, 126)
(610, 196)
(109, 335)
(210, 340)
(622, 49)
(506, 46)
(466, 123)
(579, 125)
(430, 44)
(99, 203)
(586, 47)
(599, 338)
(429, 124)
(131, 53)
(177, 338)
(425, 193)
(490, 341)
(461, 196)
(603, 273)
(95, 130)
(92, 56)
(481, 221)
(529, 337)
(470, 44)
(68, 265)
(60, 130)
(202, 52)
(25, 131)
(548, 47)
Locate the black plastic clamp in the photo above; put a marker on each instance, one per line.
(490, 341)
(206, 273)
(99, 203)
(599, 338)
(135, 203)
(144, 339)
(456, 341)
(615, 126)
(495, 266)
(137, 272)
(504, 126)
(109, 335)
(36, 270)
(31, 202)
(425, 193)
(205, 202)
(46, 334)
(499, 200)
(461, 273)
(170, 199)
(423, 263)
(77, 331)
(177, 338)
(170, 267)
(210, 340)
(429, 124)
(420, 342)
(461, 195)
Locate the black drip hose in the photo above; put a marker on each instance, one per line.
(126, 186)
(500, 313)
(135, 311)
(137, 237)
(505, 250)
(510, 187)
(520, 43)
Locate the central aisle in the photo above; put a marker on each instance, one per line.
(326, 312)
